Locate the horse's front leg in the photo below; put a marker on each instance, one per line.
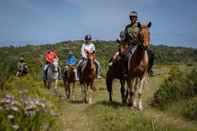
(48, 83)
(122, 90)
(109, 88)
(66, 88)
(83, 92)
(56, 82)
(131, 92)
(91, 92)
(140, 89)
(129, 100)
(68, 91)
(73, 91)
(135, 86)
(55, 88)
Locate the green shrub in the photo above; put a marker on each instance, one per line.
(190, 109)
(179, 85)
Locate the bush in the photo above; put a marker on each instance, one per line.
(179, 85)
(190, 109)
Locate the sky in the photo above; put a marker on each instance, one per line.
(174, 22)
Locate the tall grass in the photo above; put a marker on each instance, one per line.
(26, 105)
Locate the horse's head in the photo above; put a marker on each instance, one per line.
(144, 34)
(55, 65)
(91, 58)
(71, 68)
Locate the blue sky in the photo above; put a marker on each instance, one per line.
(174, 22)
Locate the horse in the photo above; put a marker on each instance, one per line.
(114, 72)
(69, 78)
(52, 74)
(87, 77)
(138, 65)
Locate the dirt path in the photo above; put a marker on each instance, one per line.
(75, 119)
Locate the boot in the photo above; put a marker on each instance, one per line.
(76, 74)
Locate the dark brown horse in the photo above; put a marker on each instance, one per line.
(114, 72)
(68, 79)
(138, 67)
(87, 77)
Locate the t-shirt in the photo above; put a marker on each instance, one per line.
(87, 47)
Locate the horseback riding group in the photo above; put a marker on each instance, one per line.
(131, 64)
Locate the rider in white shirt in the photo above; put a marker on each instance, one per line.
(90, 47)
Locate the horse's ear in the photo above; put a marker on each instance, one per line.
(149, 24)
(139, 24)
(118, 41)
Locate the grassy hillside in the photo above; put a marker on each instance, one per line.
(171, 91)
(105, 49)
(63, 115)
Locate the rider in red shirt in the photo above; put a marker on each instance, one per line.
(49, 57)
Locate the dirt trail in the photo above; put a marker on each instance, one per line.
(75, 119)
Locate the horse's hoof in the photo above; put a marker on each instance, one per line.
(135, 104)
(132, 108)
(140, 107)
(130, 104)
(90, 101)
(73, 98)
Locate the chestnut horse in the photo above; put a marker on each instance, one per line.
(87, 77)
(68, 79)
(138, 67)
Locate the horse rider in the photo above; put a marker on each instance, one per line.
(22, 67)
(71, 60)
(115, 56)
(130, 35)
(49, 57)
(88, 46)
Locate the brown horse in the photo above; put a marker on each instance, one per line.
(87, 77)
(138, 67)
(68, 79)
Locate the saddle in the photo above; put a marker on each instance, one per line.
(126, 51)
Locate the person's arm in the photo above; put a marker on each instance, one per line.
(93, 49)
(45, 56)
(126, 33)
